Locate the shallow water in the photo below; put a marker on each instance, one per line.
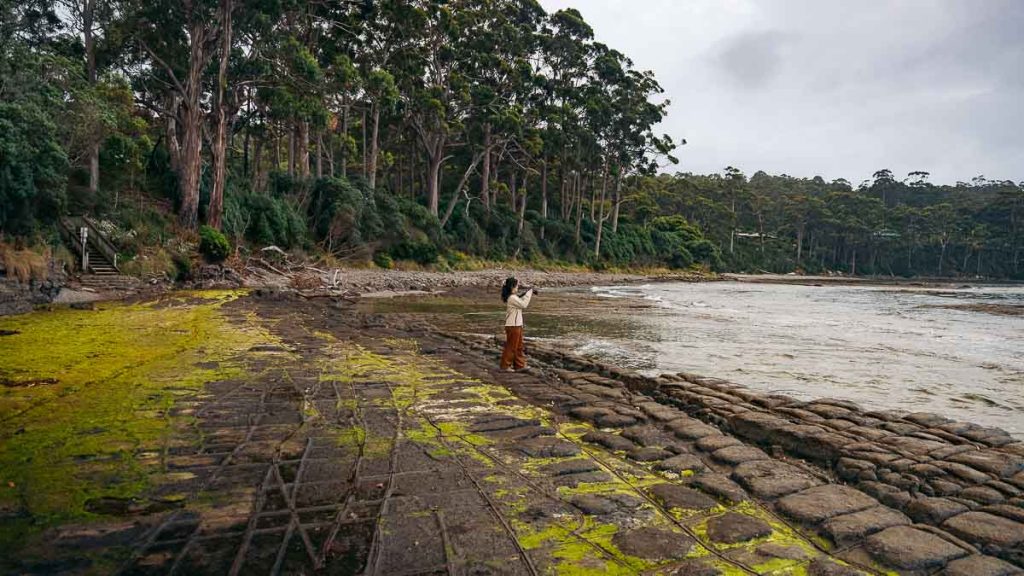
(883, 347)
(914, 349)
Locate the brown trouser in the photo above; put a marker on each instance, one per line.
(512, 356)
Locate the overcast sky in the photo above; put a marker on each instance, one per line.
(836, 88)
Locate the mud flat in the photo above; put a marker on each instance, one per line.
(321, 439)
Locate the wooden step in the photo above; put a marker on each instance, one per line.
(109, 281)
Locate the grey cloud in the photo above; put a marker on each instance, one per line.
(832, 87)
(752, 59)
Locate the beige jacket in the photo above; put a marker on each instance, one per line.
(514, 308)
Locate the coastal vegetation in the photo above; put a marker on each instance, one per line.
(430, 131)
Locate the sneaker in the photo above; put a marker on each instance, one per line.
(509, 369)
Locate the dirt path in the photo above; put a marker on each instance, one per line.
(351, 445)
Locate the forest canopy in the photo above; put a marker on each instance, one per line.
(421, 130)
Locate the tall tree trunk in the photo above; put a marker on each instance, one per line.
(257, 164)
(497, 178)
(522, 202)
(485, 170)
(760, 230)
(799, 244)
(302, 147)
(330, 158)
(579, 209)
(277, 150)
(593, 201)
(600, 217)
(364, 143)
(291, 151)
(344, 139)
(319, 154)
(400, 176)
(458, 189)
(543, 195)
(732, 231)
(562, 193)
(435, 157)
(371, 170)
(414, 176)
(191, 128)
(512, 190)
(218, 153)
(191, 164)
(942, 256)
(88, 16)
(173, 141)
(247, 154)
(618, 201)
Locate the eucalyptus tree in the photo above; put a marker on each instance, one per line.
(96, 23)
(635, 146)
(437, 94)
(504, 63)
(178, 39)
(735, 189)
(567, 52)
(384, 44)
(218, 146)
(942, 224)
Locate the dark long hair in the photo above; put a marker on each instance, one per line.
(508, 287)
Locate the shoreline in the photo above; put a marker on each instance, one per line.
(378, 283)
(349, 283)
(818, 280)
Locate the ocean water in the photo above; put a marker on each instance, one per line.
(884, 347)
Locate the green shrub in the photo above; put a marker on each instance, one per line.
(213, 245)
(422, 252)
(182, 265)
(264, 219)
(383, 260)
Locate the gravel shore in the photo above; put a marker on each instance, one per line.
(374, 281)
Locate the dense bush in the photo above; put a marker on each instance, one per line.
(33, 167)
(680, 244)
(213, 245)
(264, 219)
(383, 260)
(419, 251)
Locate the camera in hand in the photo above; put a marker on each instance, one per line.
(534, 288)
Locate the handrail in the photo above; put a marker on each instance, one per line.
(102, 244)
(70, 226)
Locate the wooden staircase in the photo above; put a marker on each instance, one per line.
(100, 258)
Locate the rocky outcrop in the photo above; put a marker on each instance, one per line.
(19, 297)
(913, 492)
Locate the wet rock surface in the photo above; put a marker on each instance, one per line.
(366, 445)
(733, 528)
(911, 549)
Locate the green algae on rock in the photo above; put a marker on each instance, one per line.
(90, 443)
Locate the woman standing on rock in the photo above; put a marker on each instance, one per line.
(513, 358)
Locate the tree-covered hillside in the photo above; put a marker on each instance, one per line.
(417, 130)
(884, 226)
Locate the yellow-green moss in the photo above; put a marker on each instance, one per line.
(117, 371)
